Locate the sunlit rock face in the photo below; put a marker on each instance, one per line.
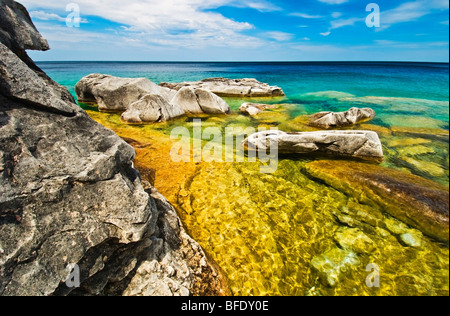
(69, 195)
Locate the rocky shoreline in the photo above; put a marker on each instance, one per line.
(69, 194)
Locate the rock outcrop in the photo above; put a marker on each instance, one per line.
(347, 144)
(414, 200)
(253, 109)
(341, 119)
(145, 102)
(151, 108)
(69, 194)
(231, 87)
(116, 94)
(198, 101)
(16, 30)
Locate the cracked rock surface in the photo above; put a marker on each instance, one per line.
(69, 194)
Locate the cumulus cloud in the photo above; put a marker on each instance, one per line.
(168, 22)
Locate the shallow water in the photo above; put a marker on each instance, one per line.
(287, 233)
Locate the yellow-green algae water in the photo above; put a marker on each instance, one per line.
(287, 233)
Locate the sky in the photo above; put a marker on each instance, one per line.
(242, 30)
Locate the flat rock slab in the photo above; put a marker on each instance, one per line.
(416, 201)
(231, 87)
(344, 144)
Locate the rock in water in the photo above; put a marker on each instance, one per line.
(348, 144)
(198, 101)
(342, 119)
(231, 87)
(253, 109)
(414, 200)
(151, 108)
(117, 94)
(69, 195)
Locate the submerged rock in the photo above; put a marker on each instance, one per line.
(416, 201)
(342, 119)
(347, 144)
(334, 264)
(69, 194)
(198, 101)
(355, 240)
(231, 87)
(255, 108)
(151, 108)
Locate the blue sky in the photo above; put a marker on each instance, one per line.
(243, 30)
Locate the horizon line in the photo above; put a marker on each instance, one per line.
(266, 61)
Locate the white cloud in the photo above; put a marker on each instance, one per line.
(178, 23)
(305, 15)
(411, 11)
(44, 16)
(261, 5)
(325, 34)
(336, 24)
(336, 15)
(334, 1)
(279, 36)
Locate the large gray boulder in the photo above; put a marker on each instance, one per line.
(231, 87)
(25, 85)
(347, 144)
(69, 194)
(17, 32)
(342, 119)
(199, 101)
(116, 94)
(151, 108)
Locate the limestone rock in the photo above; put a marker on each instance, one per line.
(334, 264)
(151, 108)
(341, 119)
(411, 239)
(355, 240)
(17, 31)
(69, 194)
(21, 83)
(416, 201)
(231, 87)
(350, 144)
(198, 101)
(116, 94)
(253, 109)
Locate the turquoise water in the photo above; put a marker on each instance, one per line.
(266, 231)
(313, 85)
